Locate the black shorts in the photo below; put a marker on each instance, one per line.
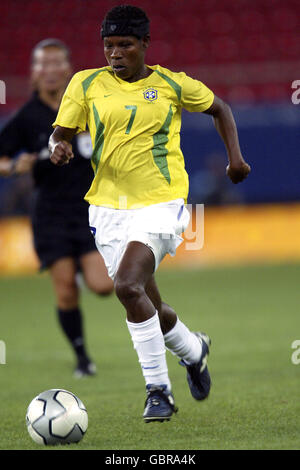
(61, 232)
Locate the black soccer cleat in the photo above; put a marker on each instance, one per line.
(197, 374)
(85, 369)
(159, 404)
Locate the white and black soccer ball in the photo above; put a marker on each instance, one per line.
(56, 416)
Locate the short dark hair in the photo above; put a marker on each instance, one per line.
(51, 42)
(125, 20)
(126, 12)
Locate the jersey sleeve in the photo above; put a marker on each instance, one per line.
(195, 96)
(72, 112)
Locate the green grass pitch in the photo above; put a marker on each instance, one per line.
(252, 316)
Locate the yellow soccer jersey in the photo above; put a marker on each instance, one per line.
(135, 130)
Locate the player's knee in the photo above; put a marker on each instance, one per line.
(128, 291)
(67, 302)
(67, 295)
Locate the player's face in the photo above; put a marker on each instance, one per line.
(125, 55)
(50, 69)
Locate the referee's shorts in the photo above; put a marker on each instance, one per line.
(61, 232)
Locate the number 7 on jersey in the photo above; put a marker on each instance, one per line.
(132, 116)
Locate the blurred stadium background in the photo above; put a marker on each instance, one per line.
(248, 52)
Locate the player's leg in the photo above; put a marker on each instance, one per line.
(178, 338)
(95, 273)
(133, 274)
(63, 274)
(135, 271)
(192, 348)
(167, 316)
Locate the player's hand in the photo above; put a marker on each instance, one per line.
(237, 172)
(6, 165)
(61, 153)
(24, 163)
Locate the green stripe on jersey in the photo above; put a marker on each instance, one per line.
(99, 139)
(174, 85)
(87, 81)
(159, 150)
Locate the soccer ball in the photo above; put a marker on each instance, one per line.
(56, 416)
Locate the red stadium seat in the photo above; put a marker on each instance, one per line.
(88, 33)
(188, 25)
(287, 46)
(224, 49)
(251, 21)
(220, 22)
(160, 52)
(257, 47)
(184, 35)
(70, 9)
(190, 51)
(285, 19)
(274, 92)
(241, 93)
(160, 28)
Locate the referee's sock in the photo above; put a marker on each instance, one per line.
(183, 343)
(72, 325)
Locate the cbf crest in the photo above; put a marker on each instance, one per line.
(150, 94)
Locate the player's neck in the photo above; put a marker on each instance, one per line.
(143, 72)
(51, 98)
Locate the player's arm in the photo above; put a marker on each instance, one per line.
(237, 169)
(60, 145)
(12, 142)
(17, 166)
(6, 166)
(70, 120)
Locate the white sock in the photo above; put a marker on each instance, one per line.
(183, 343)
(149, 343)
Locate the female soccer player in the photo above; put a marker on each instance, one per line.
(137, 197)
(62, 237)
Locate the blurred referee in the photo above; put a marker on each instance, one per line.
(62, 237)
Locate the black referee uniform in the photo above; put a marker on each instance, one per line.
(60, 214)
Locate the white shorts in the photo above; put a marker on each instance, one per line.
(158, 226)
